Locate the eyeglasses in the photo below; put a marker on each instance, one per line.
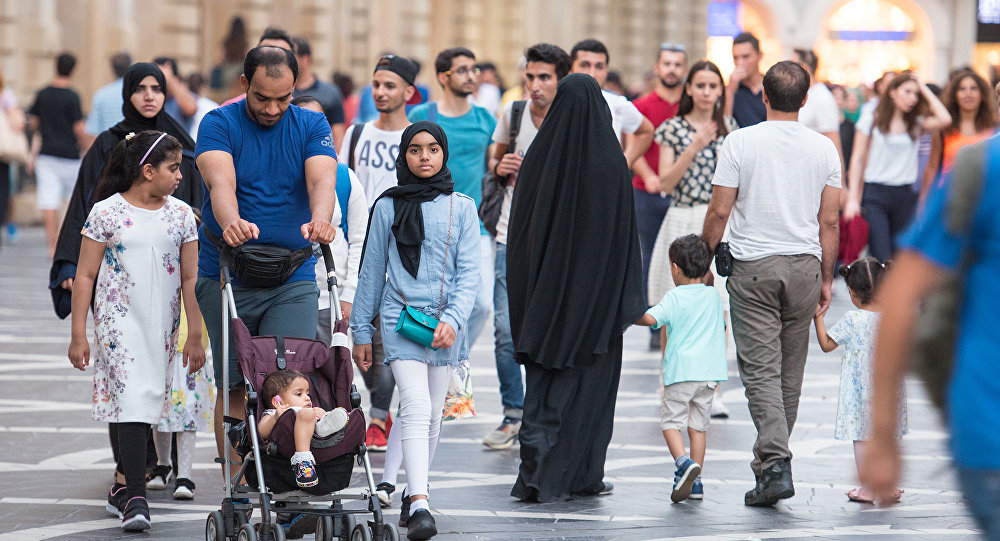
(673, 47)
(462, 71)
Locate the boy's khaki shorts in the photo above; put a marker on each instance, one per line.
(687, 404)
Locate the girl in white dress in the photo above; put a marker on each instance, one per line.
(856, 332)
(139, 247)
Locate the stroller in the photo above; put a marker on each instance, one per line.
(268, 483)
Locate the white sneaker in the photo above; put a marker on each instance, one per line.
(184, 489)
(158, 478)
(333, 421)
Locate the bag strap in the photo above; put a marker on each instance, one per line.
(343, 193)
(447, 243)
(279, 349)
(355, 137)
(516, 112)
(432, 111)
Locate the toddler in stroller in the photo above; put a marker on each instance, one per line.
(289, 390)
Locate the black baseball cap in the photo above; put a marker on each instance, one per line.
(404, 68)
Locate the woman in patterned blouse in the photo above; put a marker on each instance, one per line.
(689, 145)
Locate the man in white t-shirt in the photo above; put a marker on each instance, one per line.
(372, 155)
(591, 57)
(546, 65)
(781, 183)
(820, 113)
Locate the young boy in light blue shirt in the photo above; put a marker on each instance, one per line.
(694, 362)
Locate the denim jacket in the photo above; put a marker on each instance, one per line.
(384, 282)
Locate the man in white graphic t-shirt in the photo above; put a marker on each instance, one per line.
(591, 57)
(546, 65)
(371, 153)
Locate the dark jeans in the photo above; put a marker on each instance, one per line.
(982, 493)
(889, 210)
(650, 210)
(508, 371)
(379, 378)
(287, 310)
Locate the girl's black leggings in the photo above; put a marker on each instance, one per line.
(132, 438)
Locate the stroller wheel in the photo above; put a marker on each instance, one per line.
(389, 532)
(347, 524)
(247, 533)
(215, 527)
(277, 532)
(324, 528)
(361, 533)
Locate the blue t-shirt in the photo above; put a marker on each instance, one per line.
(270, 176)
(469, 136)
(696, 334)
(974, 391)
(748, 107)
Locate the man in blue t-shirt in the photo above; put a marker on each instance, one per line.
(940, 238)
(470, 132)
(270, 178)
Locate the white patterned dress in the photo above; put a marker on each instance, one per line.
(856, 333)
(137, 305)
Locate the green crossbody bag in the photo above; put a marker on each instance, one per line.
(415, 325)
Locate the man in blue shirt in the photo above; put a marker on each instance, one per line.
(745, 91)
(935, 245)
(270, 178)
(106, 105)
(470, 132)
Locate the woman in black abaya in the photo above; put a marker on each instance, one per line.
(574, 277)
(143, 110)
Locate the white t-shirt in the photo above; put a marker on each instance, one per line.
(820, 113)
(374, 159)
(780, 169)
(892, 157)
(624, 115)
(487, 97)
(346, 249)
(525, 135)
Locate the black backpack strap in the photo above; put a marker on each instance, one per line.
(319, 396)
(355, 136)
(516, 112)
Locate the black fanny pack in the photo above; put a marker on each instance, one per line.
(260, 265)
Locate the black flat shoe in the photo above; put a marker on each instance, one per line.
(421, 525)
(404, 511)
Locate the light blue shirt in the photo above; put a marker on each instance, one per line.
(384, 282)
(696, 334)
(105, 108)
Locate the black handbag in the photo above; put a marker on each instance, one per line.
(493, 185)
(260, 265)
(723, 259)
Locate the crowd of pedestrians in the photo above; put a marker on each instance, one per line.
(712, 205)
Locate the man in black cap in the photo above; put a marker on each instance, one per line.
(371, 150)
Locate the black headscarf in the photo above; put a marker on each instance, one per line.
(411, 191)
(574, 273)
(134, 121)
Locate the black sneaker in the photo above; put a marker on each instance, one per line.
(300, 525)
(136, 515)
(421, 525)
(306, 474)
(184, 489)
(117, 497)
(404, 511)
(773, 485)
(157, 479)
(384, 492)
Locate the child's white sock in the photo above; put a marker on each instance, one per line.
(419, 504)
(331, 422)
(299, 456)
(185, 453)
(680, 460)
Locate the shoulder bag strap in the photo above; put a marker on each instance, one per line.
(516, 112)
(355, 136)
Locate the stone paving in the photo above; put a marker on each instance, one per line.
(56, 463)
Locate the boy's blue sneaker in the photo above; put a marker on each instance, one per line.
(684, 477)
(697, 491)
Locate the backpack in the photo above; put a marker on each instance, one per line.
(936, 333)
(493, 185)
(343, 193)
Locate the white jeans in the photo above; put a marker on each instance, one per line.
(422, 388)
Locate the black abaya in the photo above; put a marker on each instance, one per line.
(574, 278)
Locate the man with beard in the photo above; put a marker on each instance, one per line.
(371, 149)
(650, 203)
(470, 132)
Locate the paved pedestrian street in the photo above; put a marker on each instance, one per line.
(56, 466)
